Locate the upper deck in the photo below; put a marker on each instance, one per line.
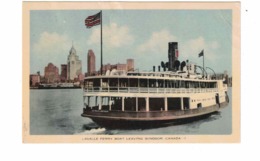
(151, 82)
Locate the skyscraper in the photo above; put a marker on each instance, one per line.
(51, 73)
(74, 67)
(63, 75)
(91, 62)
(130, 64)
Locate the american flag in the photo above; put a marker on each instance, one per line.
(93, 20)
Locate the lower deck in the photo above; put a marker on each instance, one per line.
(153, 102)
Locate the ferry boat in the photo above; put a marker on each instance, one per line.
(121, 99)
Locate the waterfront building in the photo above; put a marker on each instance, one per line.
(63, 75)
(34, 80)
(107, 67)
(129, 66)
(51, 73)
(81, 77)
(74, 66)
(91, 62)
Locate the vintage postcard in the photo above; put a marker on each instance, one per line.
(131, 72)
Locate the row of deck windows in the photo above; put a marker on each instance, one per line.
(145, 83)
(136, 103)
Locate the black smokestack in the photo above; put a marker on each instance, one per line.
(173, 47)
(159, 69)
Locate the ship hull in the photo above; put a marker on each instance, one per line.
(143, 120)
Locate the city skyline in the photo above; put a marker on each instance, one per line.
(123, 37)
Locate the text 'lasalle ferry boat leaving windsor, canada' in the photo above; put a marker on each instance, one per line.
(122, 99)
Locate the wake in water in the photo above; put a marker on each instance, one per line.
(91, 129)
(92, 132)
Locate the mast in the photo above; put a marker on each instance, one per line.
(101, 58)
(203, 64)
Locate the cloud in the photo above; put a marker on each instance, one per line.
(51, 43)
(114, 36)
(157, 43)
(157, 46)
(49, 47)
(191, 48)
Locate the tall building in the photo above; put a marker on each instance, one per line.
(63, 74)
(74, 67)
(91, 62)
(51, 73)
(130, 64)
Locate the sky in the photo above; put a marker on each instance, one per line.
(139, 34)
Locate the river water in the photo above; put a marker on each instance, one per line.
(58, 112)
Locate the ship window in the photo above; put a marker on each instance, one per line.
(160, 83)
(130, 103)
(133, 82)
(116, 103)
(141, 104)
(172, 83)
(156, 104)
(168, 84)
(177, 84)
(96, 82)
(123, 82)
(91, 102)
(203, 85)
(143, 82)
(105, 103)
(105, 82)
(182, 84)
(88, 83)
(212, 85)
(197, 84)
(174, 103)
(187, 84)
(113, 82)
(152, 83)
(194, 84)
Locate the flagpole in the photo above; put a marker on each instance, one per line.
(203, 64)
(101, 43)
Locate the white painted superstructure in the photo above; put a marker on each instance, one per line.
(180, 88)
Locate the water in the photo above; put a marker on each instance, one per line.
(57, 112)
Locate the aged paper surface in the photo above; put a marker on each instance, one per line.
(61, 11)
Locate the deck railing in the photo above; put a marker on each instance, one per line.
(149, 90)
